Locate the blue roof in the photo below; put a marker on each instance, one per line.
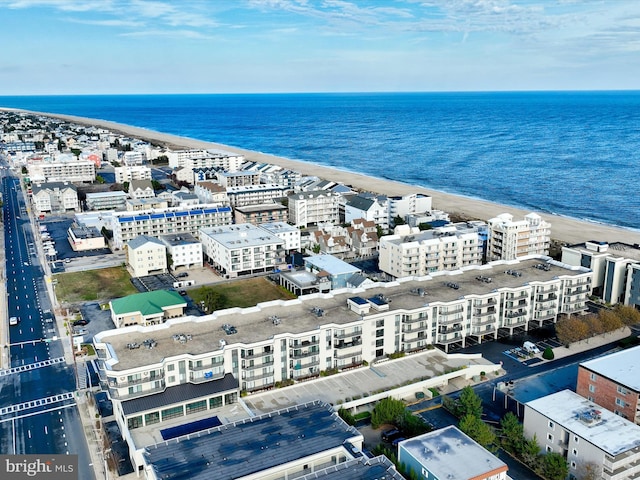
(125, 219)
(377, 301)
(358, 300)
(158, 215)
(331, 264)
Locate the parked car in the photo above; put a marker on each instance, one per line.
(182, 292)
(396, 441)
(183, 275)
(14, 321)
(80, 323)
(391, 434)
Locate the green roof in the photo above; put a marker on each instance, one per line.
(147, 303)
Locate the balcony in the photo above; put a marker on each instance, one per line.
(449, 321)
(411, 329)
(342, 356)
(300, 365)
(408, 319)
(516, 314)
(304, 343)
(353, 333)
(256, 354)
(247, 366)
(213, 376)
(484, 302)
(131, 382)
(479, 331)
(457, 328)
(114, 393)
(304, 353)
(197, 368)
(489, 311)
(354, 343)
(451, 311)
(485, 321)
(259, 376)
(444, 339)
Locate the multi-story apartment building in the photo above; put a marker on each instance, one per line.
(211, 192)
(106, 200)
(191, 159)
(402, 206)
(313, 207)
(155, 222)
(415, 253)
(185, 250)
(613, 381)
(586, 435)
(509, 239)
(146, 255)
(128, 174)
(139, 204)
(244, 249)
(289, 234)
(370, 207)
(215, 356)
(616, 269)
(133, 158)
(257, 214)
(54, 197)
(255, 194)
(62, 171)
(141, 189)
(238, 179)
(448, 453)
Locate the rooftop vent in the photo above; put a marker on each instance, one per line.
(150, 343)
(418, 291)
(453, 285)
(590, 416)
(181, 338)
(317, 311)
(275, 319)
(229, 329)
(542, 266)
(484, 279)
(514, 273)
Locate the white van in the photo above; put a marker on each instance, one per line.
(14, 321)
(531, 347)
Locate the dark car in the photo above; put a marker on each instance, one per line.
(182, 292)
(80, 323)
(390, 435)
(183, 275)
(396, 441)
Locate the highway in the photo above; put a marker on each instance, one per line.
(38, 411)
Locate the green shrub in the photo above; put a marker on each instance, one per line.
(548, 354)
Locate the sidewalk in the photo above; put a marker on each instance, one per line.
(593, 342)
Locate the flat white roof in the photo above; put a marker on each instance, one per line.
(610, 432)
(449, 453)
(622, 367)
(241, 235)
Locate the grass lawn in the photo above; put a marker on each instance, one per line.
(243, 293)
(103, 284)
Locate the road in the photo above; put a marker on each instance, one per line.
(38, 411)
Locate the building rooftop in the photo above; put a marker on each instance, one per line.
(141, 240)
(443, 232)
(241, 235)
(449, 453)
(361, 468)
(116, 194)
(602, 428)
(616, 249)
(331, 264)
(278, 227)
(147, 303)
(84, 232)
(37, 187)
(252, 445)
(297, 316)
(265, 207)
(622, 367)
(177, 239)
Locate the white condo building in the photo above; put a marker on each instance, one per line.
(54, 197)
(243, 249)
(311, 208)
(128, 174)
(415, 253)
(191, 159)
(155, 222)
(289, 234)
(62, 171)
(212, 358)
(509, 239)
(401, 206)
(185, 250)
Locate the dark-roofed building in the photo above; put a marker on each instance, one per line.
(370, 207)
(54, 197)
(283, 444)
(141, 189)
(82, 237)
(361, 468)
(257, 214)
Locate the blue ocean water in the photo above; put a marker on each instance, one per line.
(571, 153)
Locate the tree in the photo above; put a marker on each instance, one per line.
(387, 410)
(398, 220)
(548, 354)
(469, 403)
(628, 314)
(24, 170)
(316, 248)
(594, 325)
(76, 151)
(157, 185)
(530, 451)
(610, 321)
(125, 186)
(214, 300)
(100, 179)
(589, 471)
(554, 466)
(570, 330)
(424, 226)
(512, 433)
(479, 431)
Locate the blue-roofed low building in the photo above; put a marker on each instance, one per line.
(584, 433)
(283, 444)
(450, 454)
(338, 271)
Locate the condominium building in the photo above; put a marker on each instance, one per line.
(415, 253)
(616, 269)
(244, 249)
(191, 159)
(251, 349)
(257, 214)
(402, 206)
(448, 453)
(238, 179)
(54, 197)
(141, 189)
(255, 194)
(289, 234)
(311, 208)
(185, 250)
(613, 381)
(155, 222)
(130, 173)
(509, 239)
(211, 192)
(62, 171)
(585, 434)
(133, 158)
(146, 255)
(370, 207)
(106, 200)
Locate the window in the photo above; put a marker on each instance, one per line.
(592, 388)
(380, 323)
(622, 390)
(573, 464)
(380, 342)
(196, 406)
(575, 439)
(173, 412)
(134, 422)
(380, 333)
(592, 376)
(548, 449)
(551, 425)
(171, 367)
(575, 452)
(151, 418)
(619, 402)
(215, 402)
(550, 437)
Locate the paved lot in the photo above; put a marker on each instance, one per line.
(359, 382)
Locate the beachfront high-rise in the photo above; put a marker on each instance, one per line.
(510, 239)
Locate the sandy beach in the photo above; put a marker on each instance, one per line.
(563, 229)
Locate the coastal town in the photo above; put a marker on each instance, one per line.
(210, 313)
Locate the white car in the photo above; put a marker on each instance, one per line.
(14, 321)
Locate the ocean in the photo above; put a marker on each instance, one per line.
(574, 154)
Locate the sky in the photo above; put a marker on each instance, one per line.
(51, 47)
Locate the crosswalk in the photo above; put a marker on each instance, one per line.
(31, 366)
(41, 402)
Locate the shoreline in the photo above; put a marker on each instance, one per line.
(564, 229)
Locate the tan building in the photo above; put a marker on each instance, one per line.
(509, 239)
(146, 255)
(54, 197)
(147, 308)
(257, 214)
